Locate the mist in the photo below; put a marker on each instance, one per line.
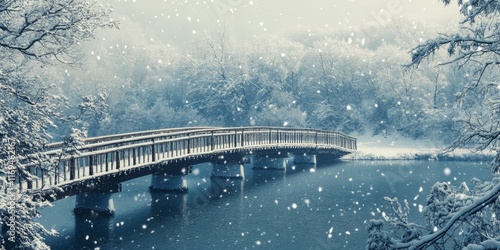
(179, 22)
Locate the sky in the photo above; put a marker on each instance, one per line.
(177, 21)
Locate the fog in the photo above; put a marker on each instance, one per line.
(176, 22)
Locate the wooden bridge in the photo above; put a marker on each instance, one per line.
(102, 163)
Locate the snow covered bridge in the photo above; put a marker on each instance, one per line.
(102, 163)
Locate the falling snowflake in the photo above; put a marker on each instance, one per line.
(447, 171)
(307, 202)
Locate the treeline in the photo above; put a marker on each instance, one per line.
(308, 79)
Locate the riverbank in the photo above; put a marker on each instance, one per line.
(398, 148)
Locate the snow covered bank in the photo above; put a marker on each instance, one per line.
(398, 148)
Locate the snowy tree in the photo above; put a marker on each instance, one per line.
(334, 85)
(459, 217)
(34, 34)
(274, 64)
(412, 98)
(280, 110)
(280, 61)
(475, 49)
(216, 78)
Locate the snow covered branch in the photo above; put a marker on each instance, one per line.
(45, 29)
(463, 214)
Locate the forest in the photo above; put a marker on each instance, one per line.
(316, 79)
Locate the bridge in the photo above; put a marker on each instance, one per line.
(95, 170)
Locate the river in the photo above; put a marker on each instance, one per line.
(304, 207)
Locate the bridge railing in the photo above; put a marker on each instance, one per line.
(108, 155)
(116, 137)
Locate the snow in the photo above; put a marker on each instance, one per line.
(474, 247)
(490, 244)
(398, 148)
(447, 171)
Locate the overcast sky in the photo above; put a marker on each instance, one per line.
(175, 21)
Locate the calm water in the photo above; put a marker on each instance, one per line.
(269, 209)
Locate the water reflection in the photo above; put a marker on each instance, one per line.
(302, 167)
(264, 176)
(329, 162)
(165, 205)
(227, 186)
(218, 188)
(92, 231)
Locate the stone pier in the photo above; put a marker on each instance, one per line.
(170, 180)
(304, 159)
(270, 161)
(97, 202)
(229, 167)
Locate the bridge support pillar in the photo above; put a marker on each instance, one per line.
(171, 181)
(272, 162)
(304, 159)
(229, 168)
(168, 183)
(97, 202)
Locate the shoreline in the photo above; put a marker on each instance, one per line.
(434, 156)
(398, 148)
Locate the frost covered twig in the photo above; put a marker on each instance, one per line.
(462, 214)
